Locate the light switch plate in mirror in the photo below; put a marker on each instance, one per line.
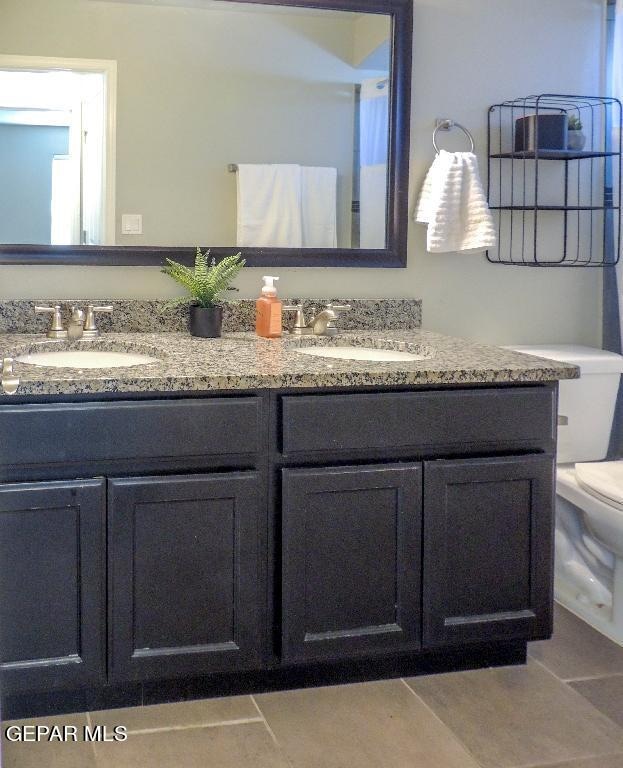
(167, 164)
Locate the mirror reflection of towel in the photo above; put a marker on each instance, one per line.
(287, 206)
(269, 206)
(318, 207)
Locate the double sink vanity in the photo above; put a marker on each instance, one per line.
(262, 512)
(238, 513)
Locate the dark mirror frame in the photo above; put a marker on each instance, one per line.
(395, 252)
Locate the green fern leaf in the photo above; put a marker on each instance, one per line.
(208, 279)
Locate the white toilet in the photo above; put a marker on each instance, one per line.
(589, 500)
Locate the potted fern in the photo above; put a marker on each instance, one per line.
(205, 283)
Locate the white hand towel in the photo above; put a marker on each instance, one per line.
(454, 206)
(269, 206)
(319, 206)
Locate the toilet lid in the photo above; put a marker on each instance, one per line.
(603, 479)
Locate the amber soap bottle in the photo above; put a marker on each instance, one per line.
(268, 310)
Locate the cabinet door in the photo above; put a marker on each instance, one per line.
(351, 559)
(184, 575)
(52, 586)
(488, 533)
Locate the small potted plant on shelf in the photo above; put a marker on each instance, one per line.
(576, 139)
(205, 283)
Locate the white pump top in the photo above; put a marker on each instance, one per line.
(269, 289)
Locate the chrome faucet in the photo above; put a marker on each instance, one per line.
(80, 326)
(75, 327)
(322, 324)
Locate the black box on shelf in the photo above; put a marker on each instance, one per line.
(545, 131)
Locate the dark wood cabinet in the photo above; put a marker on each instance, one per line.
(351, 544)
(452, 421)
(52, 585)
(278, 533)
(128, 437)
(184, 575)
(488, 536)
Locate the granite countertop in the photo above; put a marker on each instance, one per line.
(243, 361)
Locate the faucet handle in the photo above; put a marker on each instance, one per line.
(8, 381)
(339, 307)
(300, 326)
(56, 330)
(90, 329)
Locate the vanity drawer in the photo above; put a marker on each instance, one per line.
(457, 420)
(62, 434)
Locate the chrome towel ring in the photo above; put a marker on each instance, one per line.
(448, 125)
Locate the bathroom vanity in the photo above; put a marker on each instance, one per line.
(243, 513)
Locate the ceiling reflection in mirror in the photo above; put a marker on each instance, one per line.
(178, 122)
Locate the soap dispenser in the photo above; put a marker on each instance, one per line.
(268, 310)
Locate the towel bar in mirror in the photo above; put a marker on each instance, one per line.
(120, 119)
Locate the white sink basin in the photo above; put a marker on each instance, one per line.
(83, 358)
(362, 353)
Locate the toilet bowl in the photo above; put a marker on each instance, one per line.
(589, 491)
(601, 488)
(589, 545)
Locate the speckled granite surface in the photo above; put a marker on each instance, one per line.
(137, 316)
(243, 361)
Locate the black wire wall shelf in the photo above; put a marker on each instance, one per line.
(552, 154)
(552, 208)
(555, 214)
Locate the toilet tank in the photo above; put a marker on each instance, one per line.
(586, 405)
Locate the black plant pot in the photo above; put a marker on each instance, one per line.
(206, 322)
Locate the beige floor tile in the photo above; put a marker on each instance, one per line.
(518, 716)
(577, 650)
(184, 713)
(368, 725)
(49, 754)
(605, 693)
(613, 761)
(231, 746)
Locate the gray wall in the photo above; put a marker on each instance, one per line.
(491, 51)
(26, 153)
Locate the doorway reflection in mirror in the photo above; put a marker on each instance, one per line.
(52, 128)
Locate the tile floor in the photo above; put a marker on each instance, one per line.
(564, 709)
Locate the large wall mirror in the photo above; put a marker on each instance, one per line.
(131, 129)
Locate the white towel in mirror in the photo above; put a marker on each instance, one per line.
(269, 206)
(319, 206)
(287, 206)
